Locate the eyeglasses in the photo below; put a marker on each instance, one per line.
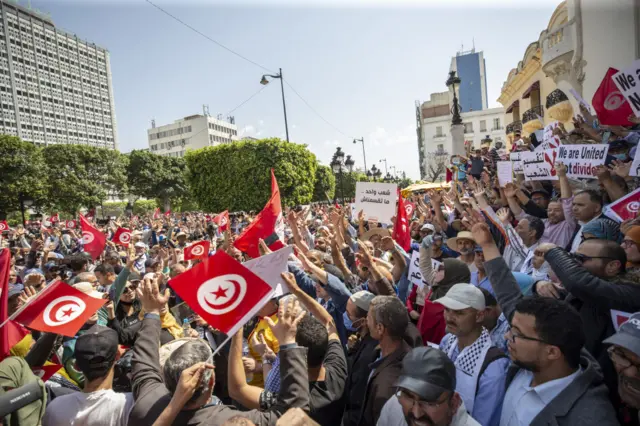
(618, 358)
(424, 405)
(581, 258)
(511, 335)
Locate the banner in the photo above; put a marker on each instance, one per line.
(581, 160)
(539, 165)
(624, 208)
(549, 140)
(611, 106)
(516, 159)
(270, 267)
(122, 237)
(505, 172)
(377, 200)
(197, 250)
(628, 81)
(415, 276)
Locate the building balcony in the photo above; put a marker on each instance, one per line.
(516, 125)
(532, 114)
(441, 136)
(557, 49)
(497, 129)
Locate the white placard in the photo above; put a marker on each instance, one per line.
(549, 140)
(516, 158)
(582, 160)
(580, 99)
(415, 276)
(270, 266)
(505, 172)
(628, 81)
(377, 200)
(539, 165)
(635, 166)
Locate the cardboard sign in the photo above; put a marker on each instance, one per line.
(505, 172)
(582, 160)
(624, 208)
(628, 81)
(377, 200)
(516, 159)
(549, 140)
(270, 267)
(580, 99)
(415, 276)
(539, 165)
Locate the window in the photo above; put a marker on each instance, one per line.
(468, 127)
(496, 124)
(440, 148)
(483, 125)
(439, 131)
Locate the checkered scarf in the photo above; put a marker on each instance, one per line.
(468, 358)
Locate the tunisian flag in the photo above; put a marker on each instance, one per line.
(222, 291)
(4, 226)
(11, 333)
(94, 240)
(197, 250)
(222, 220)
(268, 225)
(611, 106)
(55, 218)
(60, 309)
(156, 213)
(401, 233)
(122, 237)
(625, 208)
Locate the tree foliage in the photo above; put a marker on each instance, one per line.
(154, 176)
(236, 176)
(436, 165)
(82, 176)
(325, 186)
(21, 171)
(348, 184)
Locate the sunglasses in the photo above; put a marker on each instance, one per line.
(581, 258)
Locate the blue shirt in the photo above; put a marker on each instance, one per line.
(272, 382)
(522, 403)
(482, 283)
(498, 332)
(487, 405)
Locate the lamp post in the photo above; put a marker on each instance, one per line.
(385, 165)
(264, 82)
(393, 168)
(25, 202)
(455, 109)
(364, 157)
(374, 173)
(340, 165)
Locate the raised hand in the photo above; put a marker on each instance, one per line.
(259, 345)
(149, 295)
(561, 169)
(189, 382)
(503, 215)
(548, 289)
(289, 316)
(262, 247)
(603, 173)
(387, 244)
(621, 168)
(510, 190)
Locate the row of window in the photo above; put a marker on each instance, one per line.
(220, 128)
(214, 138)
(174, 154)
(167, 133)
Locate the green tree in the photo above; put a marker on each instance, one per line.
(154, 176)
(82, 176)
(348, 184)
(21, 171)
(325, 186)
(236, 176)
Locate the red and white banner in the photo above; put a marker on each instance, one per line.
(59, 309)
(94, 240)
(401, 233)
(167, 213)
(122, 237)
(70, 224)
(610, 104)
(222, 291)
(198, 250)
(222, 220)
(409, 208)
(624, 208)
(4, 226)
(55, 218)
(46, 371)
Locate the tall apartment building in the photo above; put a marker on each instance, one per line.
(470, 67)
(54, 87)
(192, 132)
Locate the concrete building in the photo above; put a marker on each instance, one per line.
(54, 87)
(192, 132)
(470, 67)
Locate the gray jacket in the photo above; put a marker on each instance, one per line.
(586, 400)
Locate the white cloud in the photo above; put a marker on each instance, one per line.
(261, 123)
(380, 136)
(247, 130)
(328, 142)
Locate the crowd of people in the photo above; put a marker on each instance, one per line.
(513, 320)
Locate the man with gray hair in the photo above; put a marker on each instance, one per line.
(387, 321)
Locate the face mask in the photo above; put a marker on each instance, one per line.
(347, 322)
(620, 157)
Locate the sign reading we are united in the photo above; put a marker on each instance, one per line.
(582, 160)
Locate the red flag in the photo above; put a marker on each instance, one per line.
(59, 309)
(222, 220)
(268, 225)
(611, 106)
(401, 233)
(11, 333)
(198, 250)
(156, 213)
(222, 291)
(626, 207)
(167, 213)
(409, 208)
(46, 371)
(122, 237)
(70, 224)
(91, 214)
(4, 226)
(94, 240)
(449, 175)
(55, 218)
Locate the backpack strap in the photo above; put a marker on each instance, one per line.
(493, 354)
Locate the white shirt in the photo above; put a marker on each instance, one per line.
(522, 403)
(392, 415)
(100, 408)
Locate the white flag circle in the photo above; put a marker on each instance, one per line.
(614, 101)
(3, 227)
(633, 206)
(197, 250)
(87, 237)
(125, 237)
(222, 294)
(223, 221)
(62, 310)
(71, 224)
(408, 208)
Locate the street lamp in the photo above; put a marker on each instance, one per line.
(340, 165)
(374, 173)
(388, 178)
(393, 168)
(25, 202)
(364, 157)
(264, 82)
(455, 110)
(385, 165)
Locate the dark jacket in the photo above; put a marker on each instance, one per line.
(152, 396)
(381, 386)
(358, 360)
(585, 401)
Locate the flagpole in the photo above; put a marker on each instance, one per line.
(221, 345)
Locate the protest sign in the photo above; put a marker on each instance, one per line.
(582, 160)
(549, 140)
(539, 165)
(580, 99)
(624, 208)
(505, 172)
(415, 276)
(628, 81)
(515, 158)
(377, 200)
(270, 267)
(635, 166)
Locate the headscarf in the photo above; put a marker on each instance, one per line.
(14, 373)
(455, 272)
(603, 229)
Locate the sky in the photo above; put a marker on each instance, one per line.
(357, 66)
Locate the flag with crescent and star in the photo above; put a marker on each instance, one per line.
(122, 237)
(197, 250)
(222, 220)
(60, 309)
(222, 291)
(94, 241)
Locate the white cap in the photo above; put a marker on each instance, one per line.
(140, 244)
(428, 226)
(463, 296)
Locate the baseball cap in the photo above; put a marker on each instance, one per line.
(96, 349)
(628, 335)
(362, 299)
(134, 276)
(463, 296)
(15, 289)
(181, 234)
(140, 244)
(87, 288)
(427, 372)
(429, 227)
